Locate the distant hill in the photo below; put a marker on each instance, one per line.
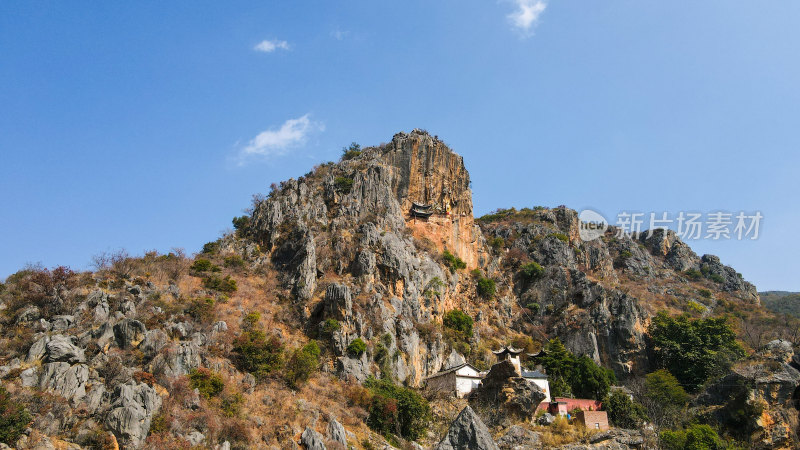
(781, 302)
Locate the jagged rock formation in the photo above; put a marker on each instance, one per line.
(505, 397)
(467, 431)
(759, 398)
(337, 255)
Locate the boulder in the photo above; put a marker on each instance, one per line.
(312, 440)
(28, 314)
(338, 301)
(132, 408)
(467, 431)
(129, 333)
(504, 397)
(176, 359)
(337, 433)
(61, 378)
(39, 348)
(61, 323)
(61, 348)
(453, 360)
(519, 438)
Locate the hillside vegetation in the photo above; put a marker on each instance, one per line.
(319, 317)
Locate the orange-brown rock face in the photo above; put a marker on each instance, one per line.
(428, 173)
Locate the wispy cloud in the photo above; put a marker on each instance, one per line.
(275, 142)
(526, 15)
(339, 35)
(268, 46)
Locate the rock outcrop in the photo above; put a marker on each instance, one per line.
(467, 431)
(504, 397)
(758, 399)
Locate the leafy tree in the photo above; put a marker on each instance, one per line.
(226, 285)
(486, 287)
(351, 152)
(696, 437)
(255, 353)
(396, 409)
(590, 380)
(356, 348)
(201, 309)
(343, 184)
(531, 272)
(453, 262)
(624, 412)
(14, 418)
(665, 398)
(302, 364)
(693, 350)
(559, 363)
(241, 223)
(459, 321)
(201, 265)
(210, 248)
(329, 326)
(207, 382)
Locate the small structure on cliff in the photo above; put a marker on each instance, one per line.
(459, 380)
(462, 379)
(592, 420)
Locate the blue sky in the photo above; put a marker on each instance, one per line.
(148, 125)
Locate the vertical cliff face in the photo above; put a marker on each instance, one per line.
(427, 172)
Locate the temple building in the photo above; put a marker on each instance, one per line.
(462, 379)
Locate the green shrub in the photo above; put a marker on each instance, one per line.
(14, 418)
(624, 412)
(705, 293)
(235, 262)
(561, 237)
(716, 278)
(497, 243)
(486, 287)
(207, 382)
(667, 398)
(695, 437)
(217, 283)
(203, 265)
(356, 348)
(231, 405)
(693, 350)
(453, 262)
(302, 364)
(211, 248)
(590, 380)
(241, 223)
(531, 272)
(351, 152)
(693, 274)
(625, 255)
(329, 326)
(255, 353)
(397, 410)
(201, 309)
(250, 321)
(343, 184)
(459, 321)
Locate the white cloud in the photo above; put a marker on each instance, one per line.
(526, 16)
(270, 46)
(339, 34)
(276, 142)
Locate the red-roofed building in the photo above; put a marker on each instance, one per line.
(563, 405)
